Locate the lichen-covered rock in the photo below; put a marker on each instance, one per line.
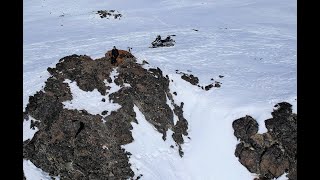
(273, 153)
(273, 162)
(180, 127)
(245, 127)
(77, 145)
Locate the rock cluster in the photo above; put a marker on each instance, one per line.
(78, 145)
(273, 153)
(195, 81)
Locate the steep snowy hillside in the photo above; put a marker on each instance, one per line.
(250, 43)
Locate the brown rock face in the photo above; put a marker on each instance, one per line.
(77, 145)
(123, 55)
(273, 153)
(190, 78)
(245, 127)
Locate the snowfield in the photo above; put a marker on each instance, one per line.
(252, 43)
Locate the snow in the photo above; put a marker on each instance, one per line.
(90, 101)
(114, 87)
(28, 133)
(252, 43)
(282, 177)
(32, 172)
(150, 152)
(175, 117)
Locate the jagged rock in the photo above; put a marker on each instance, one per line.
(144, 62)
(34, 124)
(149, 97)
(273, 162)
(76, 144)
(180, 127)
(208, 87)
(245, 127)
(217, 84)
(58, 89)
(104, 112)
(190, 78)
(273, 153)
(248, 157)
(88, 73)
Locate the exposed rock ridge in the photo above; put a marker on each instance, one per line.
(77, 145)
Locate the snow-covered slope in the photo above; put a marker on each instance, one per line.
(252, 43)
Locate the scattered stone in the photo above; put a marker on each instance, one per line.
(190, 78)
(139, 176)
(208, 87)
(273, 153)
(172, 146)
(104, 112)
(103, 100)
(217, 84)
(195, 29)
(34, 124)
(144, 62)
(175, 93)
(211, 79)
(220, 76)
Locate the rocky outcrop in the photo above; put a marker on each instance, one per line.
(77, 145)
(195, 81)
(180, 127)
(190, 78)
(273, 153)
